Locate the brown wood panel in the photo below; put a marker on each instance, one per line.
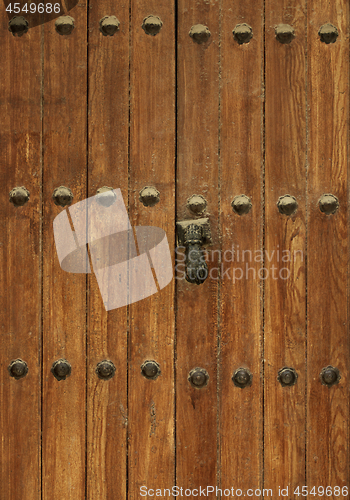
(285, 285)
(20, 268)
(197, 305)
(151, 458)
(241, 160)
(64, 294)
(108, 127)
(327, 337)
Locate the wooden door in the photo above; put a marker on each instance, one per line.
(232, 117)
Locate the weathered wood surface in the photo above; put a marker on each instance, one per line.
(108, 128)
(197, 305)
(328, 248)
(64, 295)
(285, 235)
(20, 258)
(217, 119)
(151, 458)
(241, 165)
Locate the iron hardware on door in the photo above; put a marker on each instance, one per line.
(330, 376)
(61, 369)
(198, 377)
(193, 234)
(150, 369)
(18, 368)
(287, 376)
(242, 377)
(105, 369)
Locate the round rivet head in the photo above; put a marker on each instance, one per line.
(152, 25)
(64, 25)
(199, 33)
(242, 33)
(149, 196)
(328, 33)
(105, 369)
(19, 196)
(330, 376)
(105, 196)
(328, 204)
(61, 369)
(196, 203)
(198, 377)
(287, 204)
(150, 369)
(18, 25)
(109, 25)
(18, 368)
(284, 33)
(287, 376)
(62, 196)
(242, 378)
(241, 204)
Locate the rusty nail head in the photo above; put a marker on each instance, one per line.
(150, 369)
(18, 25)
(109, 25)
(61, 369)
(242, 33)
(198, 377)
(19, 196)
(152, 25)
(330, 376)
(149, 196)
(64, 25)
(242, 378)
(18, 368)
(284, 33)
(328, 33)
(197, 204)
(287, 204)
(105, 196)
(328, 203)
(287, 376)
(105, 369)
(200, 33)
(241, 204)
(62, 196)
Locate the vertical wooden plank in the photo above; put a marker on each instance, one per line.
(64, 294)
(108, 127)
(20, 257)
(285, 287)
(197, 174)
(152, 152)
(241, 135)
(328, 338)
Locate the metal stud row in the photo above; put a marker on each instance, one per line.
(242, 33)
(197, 377)
(63, 196)
(150, 196)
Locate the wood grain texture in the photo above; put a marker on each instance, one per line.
(241, 160)
(108, 127)
(328, 336)
(86, 111)
(285, 286)
(197, 173)
(64, 294)
(20, 262)
(152, 152)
